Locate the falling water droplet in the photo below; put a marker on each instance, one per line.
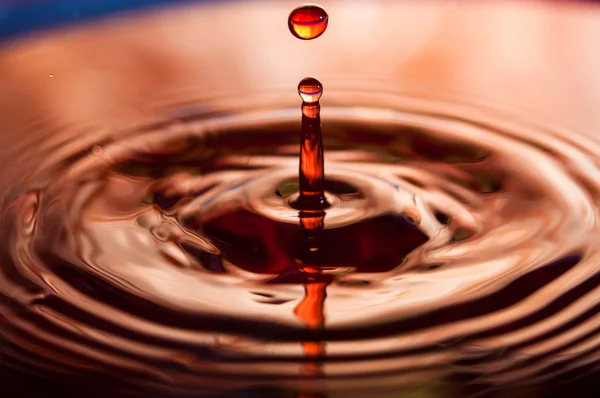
(308, 21)
(310, 90)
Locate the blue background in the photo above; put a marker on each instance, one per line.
(18, 17)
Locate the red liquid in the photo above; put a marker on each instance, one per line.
(310, 90)
(298, 253)
(308, 22)
(310, 311)
(261, 245)
(311, 173)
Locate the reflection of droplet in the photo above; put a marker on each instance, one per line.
(51, 74)
(308, 22)
(310, 89)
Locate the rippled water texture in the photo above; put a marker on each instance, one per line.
(149, 246)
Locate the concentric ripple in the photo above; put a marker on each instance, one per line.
(119, 263)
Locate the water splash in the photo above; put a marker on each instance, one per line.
(482, 262)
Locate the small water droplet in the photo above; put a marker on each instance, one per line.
(310, 90)
(51, 74)
(97, 150)
(308, 21)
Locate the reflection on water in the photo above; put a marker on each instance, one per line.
(149, 244)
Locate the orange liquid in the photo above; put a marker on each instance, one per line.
(308, 22)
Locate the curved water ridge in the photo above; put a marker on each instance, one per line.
(171, 259)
